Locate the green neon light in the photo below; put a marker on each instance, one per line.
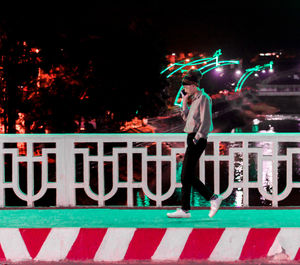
(249, 72)
(221, 63)
(210, 67)
(207, 65)
(271, 65)
(239, 82)
(183, 62)
(177, 97)
(217, 53)
(193, 63)
(242, 81)
(204, 69)
(172, 65)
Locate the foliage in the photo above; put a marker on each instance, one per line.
(56, 77)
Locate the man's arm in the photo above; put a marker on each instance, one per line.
(185, 108)
(206, 124)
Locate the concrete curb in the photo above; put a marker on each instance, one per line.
(156, 244)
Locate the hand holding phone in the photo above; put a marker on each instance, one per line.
(184, 97)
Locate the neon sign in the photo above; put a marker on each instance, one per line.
(182, 65)
(208, 65)
(249, 72)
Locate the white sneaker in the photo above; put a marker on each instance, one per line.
(215, 205)
(179, 214)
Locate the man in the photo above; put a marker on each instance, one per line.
(198, 118)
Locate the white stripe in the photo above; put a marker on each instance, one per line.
(287, 241)
(230, 245)
(13, 245)
(58, 244)
(114, 244)
(172, 244)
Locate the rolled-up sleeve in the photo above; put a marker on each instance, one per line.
(206, 124)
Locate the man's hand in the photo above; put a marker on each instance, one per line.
(195, 141)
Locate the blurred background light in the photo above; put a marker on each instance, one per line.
(238, 72)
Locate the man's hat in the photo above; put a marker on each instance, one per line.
(192, 77)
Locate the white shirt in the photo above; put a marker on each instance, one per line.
(198, 116)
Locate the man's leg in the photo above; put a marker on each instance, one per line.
(196, 183)
(188, 167)
(188, 177)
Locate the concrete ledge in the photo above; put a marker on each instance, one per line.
(156, 244)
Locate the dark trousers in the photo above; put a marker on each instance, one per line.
(188, 176)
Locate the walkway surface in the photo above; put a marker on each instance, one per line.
(128, 235)
(147, 218)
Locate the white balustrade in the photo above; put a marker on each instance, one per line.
(60, 170)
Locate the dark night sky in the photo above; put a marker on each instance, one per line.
(234, 26)
(202, 25)
(237, 26)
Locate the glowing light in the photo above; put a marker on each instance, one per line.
(250, 71)
(221, 63)
(207, 65)
(256, 121)
(203, 69)
(195, 62)
(238, 72)
(36, 50)
(218, 53)
(176, 103)
(270, 65)
(242, 80)
(189, 63)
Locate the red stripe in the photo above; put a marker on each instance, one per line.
(34, 238)
(258, 243)
(297, 257)
(201, 243)
(144, 243)
(86, 244)
(2, 255)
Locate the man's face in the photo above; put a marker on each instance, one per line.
(190, 89)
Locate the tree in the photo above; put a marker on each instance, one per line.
(109, 73)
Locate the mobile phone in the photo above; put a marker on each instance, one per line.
(183, 93)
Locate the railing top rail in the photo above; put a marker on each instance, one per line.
(143, 134)
(156, 135)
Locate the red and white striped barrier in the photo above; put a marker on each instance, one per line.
(158, 244)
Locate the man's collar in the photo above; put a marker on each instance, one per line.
(199, 93)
